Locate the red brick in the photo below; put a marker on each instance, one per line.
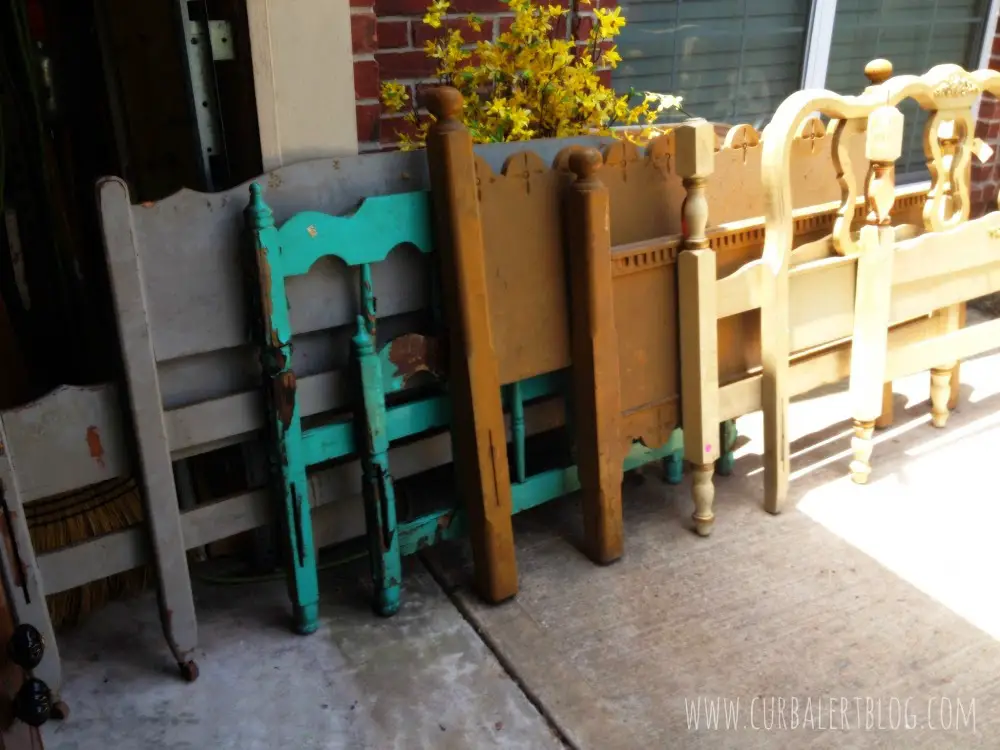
(582, 27)
(368, 116)
(401, 7)
(988, 108)
(366, 82)
(995, 61)
(361, 3)
(560, 26)
(363, 37)
(393, 127)
(503, 24)
(996, 45)
(605, 76)
(393, 34)
(423, 33)
(478, 6)
(405, 65)
(992, 131)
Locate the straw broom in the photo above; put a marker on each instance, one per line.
(78, 516)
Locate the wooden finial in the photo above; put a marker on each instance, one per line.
(878, 71)
(585, 163)
(695, 144)
(445, 103)
(257, 211)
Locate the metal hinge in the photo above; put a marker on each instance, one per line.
(220, 35)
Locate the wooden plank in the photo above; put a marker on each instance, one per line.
(70, 438)
(932, 352)
(933, 255)
(934, 293)
(162, 512)
(14, 735)
(274, 339)
(819, 368)
(597, 406)
(698, 322)
(477, 425)
(22, 580)
(740, 291)
(821, 302)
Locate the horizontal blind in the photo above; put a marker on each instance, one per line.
(914, 35)
(733, 61)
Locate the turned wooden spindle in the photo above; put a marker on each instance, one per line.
(594, 342)
(940, 394)
(862, 446)
(479, 437)
(695, 148)
(883, 146)
(949, 134)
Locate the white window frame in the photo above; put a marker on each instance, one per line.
(820, 37)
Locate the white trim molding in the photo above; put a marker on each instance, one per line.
(989, 32)
(818, 41)
(303, 70)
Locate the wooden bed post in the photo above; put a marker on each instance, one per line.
(288, 466)
(884, 142)
(479, 435)
(695, 141)
(163, 517)
(594, 342)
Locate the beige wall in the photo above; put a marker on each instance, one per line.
(304, 79)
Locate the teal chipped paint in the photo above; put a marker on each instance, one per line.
(673, 467)
(534, 491)
(727, 441)
(366, 236)
(392, 379)
(517, 429)
(287, 463)
(377, 485)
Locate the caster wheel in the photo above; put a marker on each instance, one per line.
(33, 702)
(26, 647)
(189, 671)
(60, 711)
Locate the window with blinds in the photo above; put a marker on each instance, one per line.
(733, 61)
(914, 35)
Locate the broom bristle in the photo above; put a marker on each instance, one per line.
(78, 516)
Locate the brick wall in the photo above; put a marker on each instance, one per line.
(986, 177)
(388, 38)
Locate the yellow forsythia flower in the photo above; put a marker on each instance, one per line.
(529, 81)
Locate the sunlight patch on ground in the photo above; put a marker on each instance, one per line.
(931, 510)
(927, 523)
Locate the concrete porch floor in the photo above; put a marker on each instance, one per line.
(422, 678)
(884, 590)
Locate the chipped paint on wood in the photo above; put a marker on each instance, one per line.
(377, 488)
(287, 461)
(405, 357)
(94, 445)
